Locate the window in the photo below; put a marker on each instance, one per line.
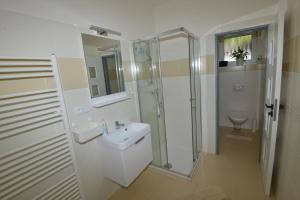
(233, 43)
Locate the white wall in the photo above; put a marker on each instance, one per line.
(23, 35)
(178, 123)
(174, 49)
(252, 80)
(199, 16)
(132, 17)
(177, 107)
(246, 100)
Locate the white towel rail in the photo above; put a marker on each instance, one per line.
(29, 127)
(35, 159)
(25, 68)
(23, 94)
(33, 103)
(14, 176)
(19, 59)
(29, 110)
(26, 122)
(27, 99)
(60, 190)
(24, 76)
(25, 63)
(21, 118)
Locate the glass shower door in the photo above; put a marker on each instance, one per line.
(146, 55)
(195, 87)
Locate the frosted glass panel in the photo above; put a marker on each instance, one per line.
(234, 43)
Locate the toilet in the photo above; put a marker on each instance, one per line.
(238, 118)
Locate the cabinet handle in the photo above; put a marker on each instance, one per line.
(140, 140)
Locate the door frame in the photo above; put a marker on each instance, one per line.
(106, 72)
(250, 28)
(270, 18)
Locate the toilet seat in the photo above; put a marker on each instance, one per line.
(238, 118)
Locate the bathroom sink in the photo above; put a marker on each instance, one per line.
(126, 136)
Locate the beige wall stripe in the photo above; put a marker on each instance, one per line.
(72, 72)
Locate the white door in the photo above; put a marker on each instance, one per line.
(272, 98)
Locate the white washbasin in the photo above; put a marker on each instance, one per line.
(126, 136)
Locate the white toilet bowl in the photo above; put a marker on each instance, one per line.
(238, 118)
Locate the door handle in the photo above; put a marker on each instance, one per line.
(270, 106)
(273, 112)
(270, 113)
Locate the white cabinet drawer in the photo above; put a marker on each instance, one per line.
(123, 166)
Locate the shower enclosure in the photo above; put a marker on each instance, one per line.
(168, 82)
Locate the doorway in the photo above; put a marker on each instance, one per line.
(269, 107)
(241, 61)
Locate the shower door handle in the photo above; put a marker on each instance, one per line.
(158, 109)
(157, 103)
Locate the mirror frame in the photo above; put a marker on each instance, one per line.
(111, 98)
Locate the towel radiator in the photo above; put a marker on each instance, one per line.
(36, 155)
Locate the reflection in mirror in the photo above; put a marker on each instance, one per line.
(104, 65)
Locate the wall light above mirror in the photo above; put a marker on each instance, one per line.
(104, 66)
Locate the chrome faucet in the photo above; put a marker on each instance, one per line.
(119, 125)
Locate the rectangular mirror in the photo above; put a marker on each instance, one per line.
(104, 65)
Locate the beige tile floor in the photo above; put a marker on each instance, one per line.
(234, 174)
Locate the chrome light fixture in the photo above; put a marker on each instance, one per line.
(104, 31)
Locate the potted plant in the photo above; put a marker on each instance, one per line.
(240, 55)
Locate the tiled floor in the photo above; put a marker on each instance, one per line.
(234, 174)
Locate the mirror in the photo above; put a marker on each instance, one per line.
(104, 65)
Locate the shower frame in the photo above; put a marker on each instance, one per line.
(194, 64)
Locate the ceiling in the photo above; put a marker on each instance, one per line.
(154, 2)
